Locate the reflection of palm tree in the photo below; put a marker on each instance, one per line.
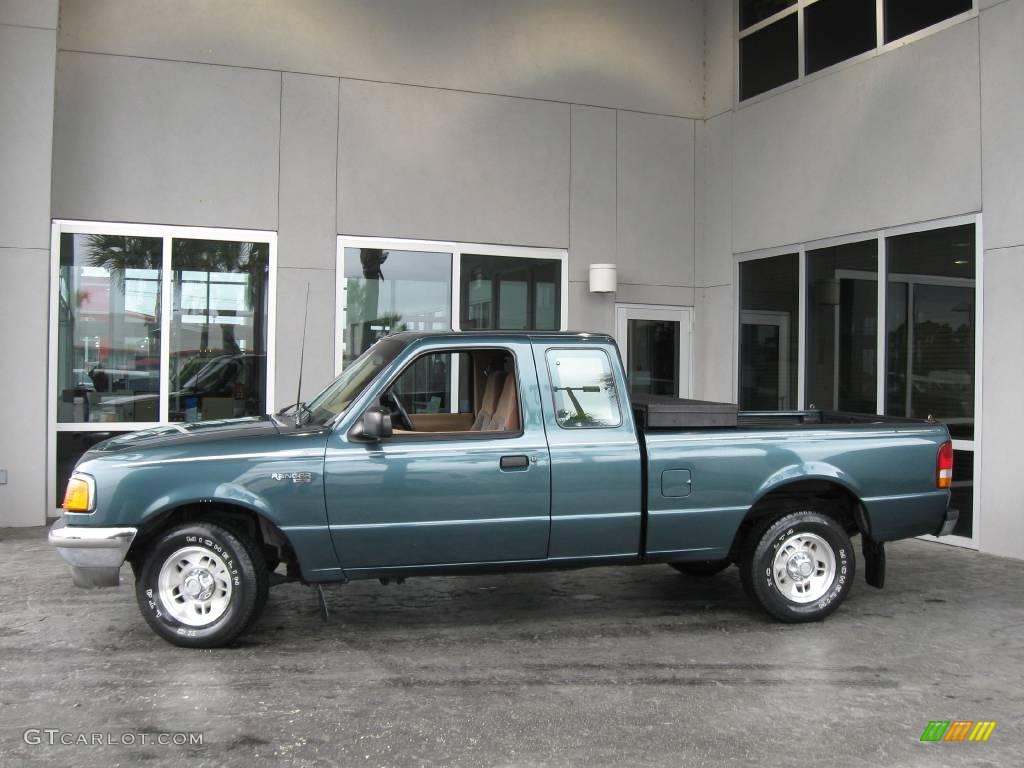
(119, 253)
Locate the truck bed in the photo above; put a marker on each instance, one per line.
(659, 412)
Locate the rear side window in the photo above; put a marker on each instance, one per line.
(584, 388)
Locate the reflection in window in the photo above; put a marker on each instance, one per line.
(584, 388)
(930, 319)
(70, 447)
(389, 291)
(653, 351)
(108, 328)
(962, 495)
(510, 293)
(769, 57)
(218, 356)
(769, 319)
(842, 327)
(904, 17)
(836, 30)
(426, 385)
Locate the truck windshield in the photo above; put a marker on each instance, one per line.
(339, 394)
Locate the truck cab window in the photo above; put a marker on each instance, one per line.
(584, 388)
(455, 392)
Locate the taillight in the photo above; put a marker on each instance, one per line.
(944, 466)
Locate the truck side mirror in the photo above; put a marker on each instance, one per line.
(373, 426)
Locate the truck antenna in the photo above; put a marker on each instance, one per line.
(302, 355)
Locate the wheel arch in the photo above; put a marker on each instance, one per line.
(235, 516)
(827, 495)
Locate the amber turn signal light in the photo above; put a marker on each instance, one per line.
(78, 497)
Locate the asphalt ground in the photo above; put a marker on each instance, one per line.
(601, 667)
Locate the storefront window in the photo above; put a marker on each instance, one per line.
(218, 354)
(387, 291)
(930, 319)
(108, 328)
(769, 319)
(510, 293)
(842, 327)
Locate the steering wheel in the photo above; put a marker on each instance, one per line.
(399, 410)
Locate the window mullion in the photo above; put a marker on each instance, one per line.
(880, 331)
(801, 373)
(166, 313)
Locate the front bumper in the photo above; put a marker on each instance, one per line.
(94, 554)
(952, 515)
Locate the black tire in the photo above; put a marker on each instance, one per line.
(238, 573)
(701, 569)
(765, 587)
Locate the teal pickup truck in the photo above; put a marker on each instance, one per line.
(442, 453)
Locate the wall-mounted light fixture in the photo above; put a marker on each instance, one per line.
(603, 278)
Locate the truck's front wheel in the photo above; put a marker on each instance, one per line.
(799, 567)
(201, 585)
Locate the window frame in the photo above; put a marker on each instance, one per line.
(168, 233)
(802, 76)
(881, 235)
(456, 249)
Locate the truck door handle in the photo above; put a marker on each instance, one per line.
(514, 462)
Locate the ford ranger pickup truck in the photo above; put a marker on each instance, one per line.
(443, 453)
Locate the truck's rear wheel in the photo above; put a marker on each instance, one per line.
(799, 567)
(201, 585)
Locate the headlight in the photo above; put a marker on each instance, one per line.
(81, 494)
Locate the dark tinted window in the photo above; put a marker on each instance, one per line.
(753, 11)
(842, 327)
(510, 293)
(769, 57)
(769, 321)
(930, 319)
(836, 30)
(903, 17)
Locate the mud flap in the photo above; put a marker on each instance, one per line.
(874, 561)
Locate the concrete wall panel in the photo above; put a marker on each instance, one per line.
(319, 357)
(1002, 106)
(889, 141)
(23, 390)
(714, 259)
(30, 13)
(719, 56)
(1002, 525)
(592, 197)
(27, 61)
(645, 54)
(164, 142)
(308, 203)
(420, 162)
(655, 200)
(714, 344)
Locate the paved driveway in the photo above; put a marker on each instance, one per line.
(611, 666)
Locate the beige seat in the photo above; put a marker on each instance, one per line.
(492, 392)
(506, 415)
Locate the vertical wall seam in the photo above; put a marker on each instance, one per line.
(337, 173)
(571, 108)
(616, 186)
(981, 125)
(280, 142)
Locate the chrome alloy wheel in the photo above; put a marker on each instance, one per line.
(804, 567)
(195, 586)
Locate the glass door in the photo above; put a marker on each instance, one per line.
(655, 346)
